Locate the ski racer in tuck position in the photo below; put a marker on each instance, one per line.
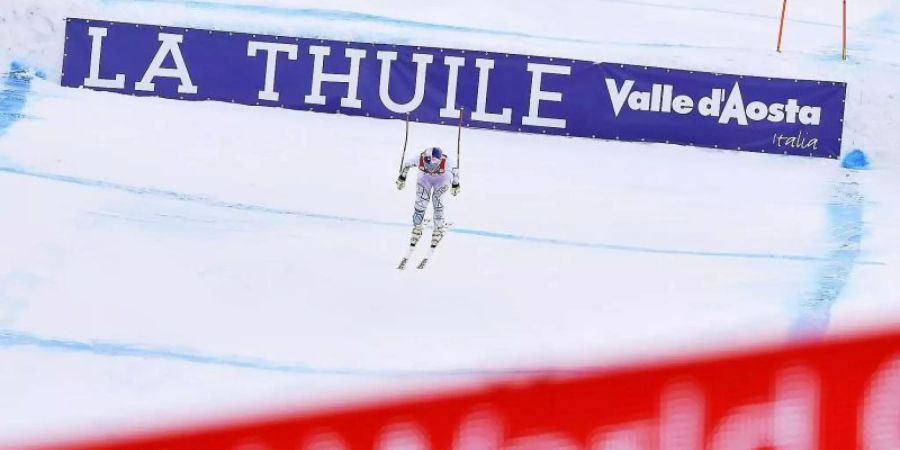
(438, 173)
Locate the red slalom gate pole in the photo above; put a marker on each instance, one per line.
(781, 26)
(844, 52)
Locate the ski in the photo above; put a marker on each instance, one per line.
(424, 260)
(414, 239)
(436, 237)
(406, 257)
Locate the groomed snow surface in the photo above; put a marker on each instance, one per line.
(166, 261)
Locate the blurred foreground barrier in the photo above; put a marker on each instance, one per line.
(842, 394)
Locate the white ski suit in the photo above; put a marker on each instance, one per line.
(435, 178)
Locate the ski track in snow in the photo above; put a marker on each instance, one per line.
(184, 197)
(845, 227)
(15, 88)
(10, 338)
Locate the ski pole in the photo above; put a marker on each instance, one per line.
(405, 141)
(459, 135)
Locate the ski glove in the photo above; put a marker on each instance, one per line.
(454, 189)
(401, 181)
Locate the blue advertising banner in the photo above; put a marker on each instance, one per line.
(531, 94)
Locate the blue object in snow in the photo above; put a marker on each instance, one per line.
(17, 67)
(856, 160)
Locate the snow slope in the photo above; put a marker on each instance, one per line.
(163, 260)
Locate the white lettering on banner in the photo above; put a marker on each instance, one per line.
(734, 108)
(618, 97)
(93, 80)
(480, 113)
(453, 64)
(170, 45)
(422, 61)
(661, 98)
(667, 98)
(712, 106)
(351, 100)
(545, 441)
(482, 430)
(639, 101)
(680, 425)
(810, 115)
(538, 95)
(682, 411)
(757, 111)
(789, 422)
(880, 418)
(792, 110)
(402, 436)
(801, 141)
(272, 49)
(631, 436)
(656, 97)
(683, 104)
(324, 441)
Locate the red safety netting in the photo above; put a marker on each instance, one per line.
(842, 394)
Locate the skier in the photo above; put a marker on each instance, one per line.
(437, 174)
